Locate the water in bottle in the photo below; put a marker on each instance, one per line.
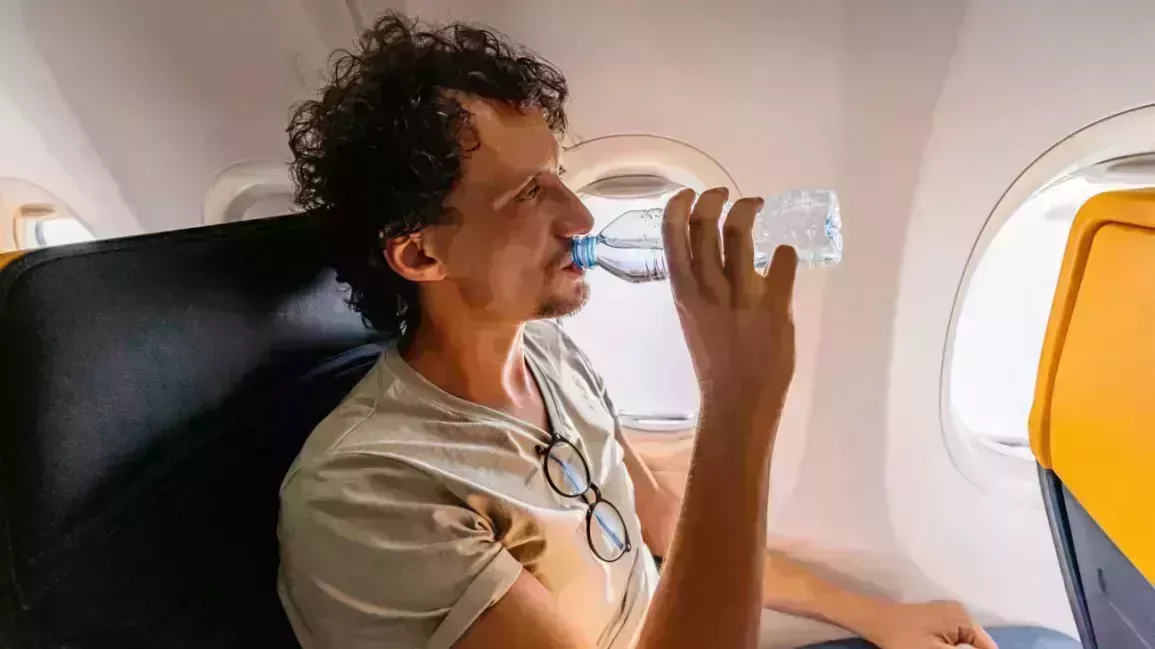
(630, 247)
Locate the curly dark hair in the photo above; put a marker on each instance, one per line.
(376, 155)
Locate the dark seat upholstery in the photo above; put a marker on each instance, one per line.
(153, 391)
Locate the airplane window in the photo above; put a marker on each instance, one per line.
(41, 225)
(631, 332)
(260, 203)
(32, 217)
(248, 190)
(1007, 302)
(60, 231)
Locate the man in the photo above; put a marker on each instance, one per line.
(474, 490)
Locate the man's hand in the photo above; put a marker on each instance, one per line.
(793, 587)
(741, 339)
(933, 625)
(738, 324)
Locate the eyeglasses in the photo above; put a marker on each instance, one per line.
(569, 475)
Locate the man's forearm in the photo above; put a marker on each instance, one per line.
(710, 592)
(790, 586)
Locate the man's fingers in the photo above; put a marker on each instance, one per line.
(738, 241)
(982, 639)
(706, 241)
(675, 239)
(780, 278)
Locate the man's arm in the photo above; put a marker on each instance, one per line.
(657, 505)
(526, 617)
(792, 587)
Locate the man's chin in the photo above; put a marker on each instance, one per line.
(559, 306)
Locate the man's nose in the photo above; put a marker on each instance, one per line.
(576, 220)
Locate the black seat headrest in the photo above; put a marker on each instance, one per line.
(153, 391)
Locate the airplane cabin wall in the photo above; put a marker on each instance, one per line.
(42, 142)
(172, 92)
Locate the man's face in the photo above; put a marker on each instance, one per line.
(505, 248)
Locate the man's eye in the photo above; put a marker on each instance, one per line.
(530, 192)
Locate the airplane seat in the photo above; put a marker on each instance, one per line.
(153, 392)
(1093, 420)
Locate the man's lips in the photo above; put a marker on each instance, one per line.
(565, 262)
(567, 265)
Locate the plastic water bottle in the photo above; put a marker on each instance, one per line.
(630, 247)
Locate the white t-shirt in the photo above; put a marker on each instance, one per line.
(410, 511)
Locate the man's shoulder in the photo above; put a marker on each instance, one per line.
(375, 419)
(359, 452)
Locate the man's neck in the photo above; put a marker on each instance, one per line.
(481, 363)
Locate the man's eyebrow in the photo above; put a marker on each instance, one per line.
(509, 195)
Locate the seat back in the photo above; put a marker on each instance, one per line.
(1093, 420)
(153, 392)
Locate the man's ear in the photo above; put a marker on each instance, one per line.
(409, 256)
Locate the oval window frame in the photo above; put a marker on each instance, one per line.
(989, 466)
(237, 186)
(596, 159)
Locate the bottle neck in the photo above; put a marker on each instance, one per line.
(585, 253)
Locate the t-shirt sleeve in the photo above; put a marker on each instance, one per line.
(376, 553)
